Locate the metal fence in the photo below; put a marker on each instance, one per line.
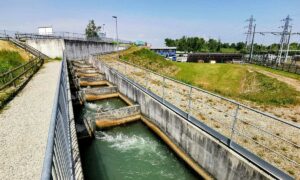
(59, 160)
(264, 60)
(258, 136)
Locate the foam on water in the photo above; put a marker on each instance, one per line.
(131, 152)
(125, 143)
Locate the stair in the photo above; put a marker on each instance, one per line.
(28, 48)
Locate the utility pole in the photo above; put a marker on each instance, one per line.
(285, 35)
(116, 18)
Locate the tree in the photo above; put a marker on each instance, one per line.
(212, 45)
(240, 46)
(170, 42)
(91, 30)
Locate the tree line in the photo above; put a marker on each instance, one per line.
(199, 44)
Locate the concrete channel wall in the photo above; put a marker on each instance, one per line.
(214, 157)
(74, 49)
(78, 48)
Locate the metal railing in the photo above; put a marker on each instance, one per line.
(57, 35)
(13, 80)
(59, 160)
(258, 136)
(12, 77)
(28, 48)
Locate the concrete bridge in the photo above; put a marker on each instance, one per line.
(207, 151)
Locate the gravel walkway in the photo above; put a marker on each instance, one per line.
(24, 126)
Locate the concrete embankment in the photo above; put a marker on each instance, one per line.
(217, 159)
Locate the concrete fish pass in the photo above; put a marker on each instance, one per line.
(100, 111)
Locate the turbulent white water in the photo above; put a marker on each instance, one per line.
(124, 142)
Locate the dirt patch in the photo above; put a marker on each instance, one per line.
(290, 81)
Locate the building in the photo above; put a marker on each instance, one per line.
(140, 43)
(45, 30)
(181, 56)
(214, 57)
(167, 52)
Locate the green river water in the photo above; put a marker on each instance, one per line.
(131, 152)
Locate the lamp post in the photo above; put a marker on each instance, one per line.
(116, 18)
(103, 28)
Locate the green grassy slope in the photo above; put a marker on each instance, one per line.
(231, 80)
(9, 60)
(151, 60)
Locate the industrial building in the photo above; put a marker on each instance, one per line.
(167, 52)
(214, 57)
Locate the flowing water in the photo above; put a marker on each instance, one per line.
(131, 152)
(102, 105)
(90, 108)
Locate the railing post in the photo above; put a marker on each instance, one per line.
(190, 102)
(163, 96)
(14, 82)
(233, 124)
(125, 68)
(147, 79)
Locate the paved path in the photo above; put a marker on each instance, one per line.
(24, 126)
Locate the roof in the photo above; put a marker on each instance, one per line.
(163, 48)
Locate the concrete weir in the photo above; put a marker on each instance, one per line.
(204, 151)
(118, 116)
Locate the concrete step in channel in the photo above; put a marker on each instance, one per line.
(92, 86)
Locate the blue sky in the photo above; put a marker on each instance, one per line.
(154, 20)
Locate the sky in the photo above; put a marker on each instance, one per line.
(153, 20)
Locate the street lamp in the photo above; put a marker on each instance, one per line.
(116, 18)
(103, 27)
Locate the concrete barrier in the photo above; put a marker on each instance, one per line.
(51, 47)
(101, 91)
(74, 49)
(213, 156)
(82, 49)
(91, 94)
(118, 116)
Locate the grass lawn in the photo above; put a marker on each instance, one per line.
(240, 82)
(6, 45)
